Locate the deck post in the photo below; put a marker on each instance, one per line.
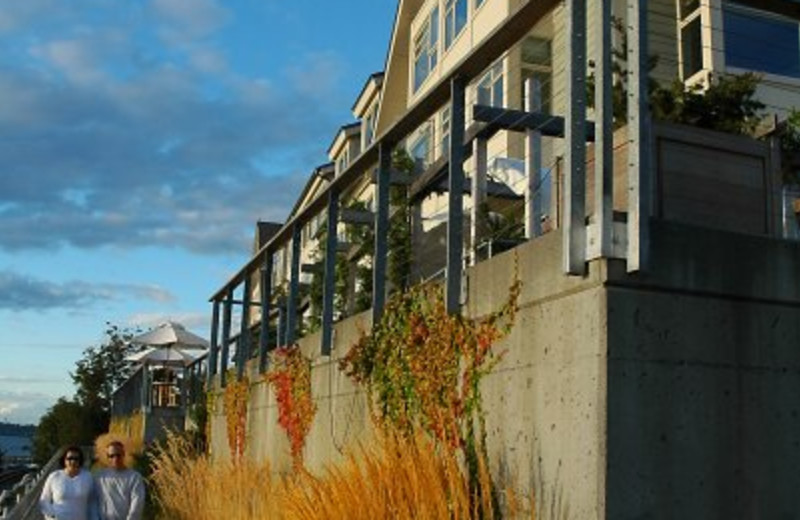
(243, 352)
(604, 130)
(294, 288)
(329, 279)
(226, 337)
(213, 351)
(574, 229)
(455, 199)
(381, 231)
(533, 161)
(266, 299)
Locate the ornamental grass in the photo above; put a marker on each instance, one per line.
(395, 478)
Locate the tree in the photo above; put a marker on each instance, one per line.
(103, 369)
(97, 375)
(66, 422)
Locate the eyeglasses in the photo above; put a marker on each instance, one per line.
(72, 458)
(114, 455)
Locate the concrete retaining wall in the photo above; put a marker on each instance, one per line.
(667, 395)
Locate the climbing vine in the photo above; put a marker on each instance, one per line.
(237, 394)
(422, 367)
(290, 378)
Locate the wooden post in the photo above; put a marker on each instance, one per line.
(330, 273)
(213, 351)
(294, 288)
(266, 299)
(243, 352)
(381, 231)
(226, 337)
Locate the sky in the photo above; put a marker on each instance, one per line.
(140, 141)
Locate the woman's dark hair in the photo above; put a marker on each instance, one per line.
(72, 449)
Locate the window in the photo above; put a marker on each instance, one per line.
(478, 3)
(344, 160)
(490, 86)
(688, 8)
(425, 49)
(455, 18)
(445, 125)
(537, 62)
(762, 42)
(369, 128)
(690, 30)
(420, 148)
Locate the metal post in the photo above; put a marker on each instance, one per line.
(329, 279)
(455, 198)
(533, 160)
(294, 288)
(381, 231)
(226, 337)
(575, 136)
(639, 169)
(213, 352)
(604, 131)
(266, 299)
(478, 190)
(243, 352)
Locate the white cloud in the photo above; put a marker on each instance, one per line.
(19, 292)
(189, 20)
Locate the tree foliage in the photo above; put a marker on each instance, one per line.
(100, 371)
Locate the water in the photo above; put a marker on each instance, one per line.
(14, 446)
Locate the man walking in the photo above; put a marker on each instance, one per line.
(120, 490)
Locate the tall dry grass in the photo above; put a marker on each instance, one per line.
(396, 478)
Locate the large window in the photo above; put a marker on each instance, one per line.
(425, 48)
(455, 18)
(490, 86)
(420, 147)
(760, 41)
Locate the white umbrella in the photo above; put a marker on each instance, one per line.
(170, 334)
(166, 356)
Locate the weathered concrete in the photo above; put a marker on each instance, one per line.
(704, 379)
(667, 394)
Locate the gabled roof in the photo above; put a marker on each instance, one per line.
(322, 173)
(345, 132)
(371, 89)
(394, 93)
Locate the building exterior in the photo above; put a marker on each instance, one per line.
(654, 367)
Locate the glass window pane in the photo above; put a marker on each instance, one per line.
(461, 15)
(692, 47)
(761, 44)
(536, 51)
(688, 7)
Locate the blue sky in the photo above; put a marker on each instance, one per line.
(140, 140)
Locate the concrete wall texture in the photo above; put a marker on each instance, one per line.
(672, 393)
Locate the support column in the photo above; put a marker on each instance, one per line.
(574, 229)
(639, 168)
(294, 288)
(213, 351)
(227, 310)
(604, 131)
(381, 231)
(266, 299)
(329, 280)
(455, 199)
(533, 161)
(478, 190)
(243, 352)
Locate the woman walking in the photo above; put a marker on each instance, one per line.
(68, 493)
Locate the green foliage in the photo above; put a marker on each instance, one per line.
(790, 146)
(67, 422)
(399, 238)
(727, 105)
(97, 374)
(422, 367)
(103, 368)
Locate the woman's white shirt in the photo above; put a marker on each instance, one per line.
(67, 498)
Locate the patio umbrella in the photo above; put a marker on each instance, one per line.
(170, 334)
(166, 356)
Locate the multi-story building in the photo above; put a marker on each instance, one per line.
(653, 370)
